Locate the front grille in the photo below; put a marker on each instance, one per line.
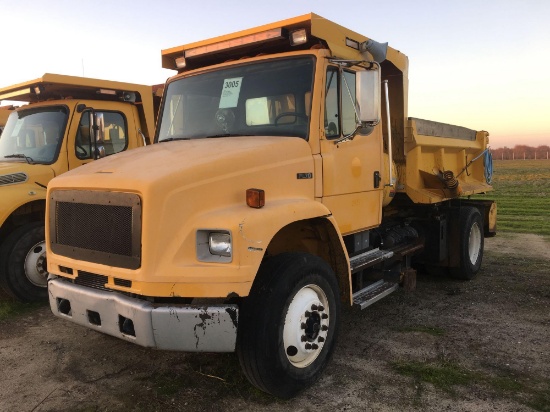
(91, 280)
(13, 178)
(104, 228)
(100, 227)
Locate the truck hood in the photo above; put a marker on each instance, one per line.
(189, 187)
(20, 172)
(178, 164)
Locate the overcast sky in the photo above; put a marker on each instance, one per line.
(474, 63)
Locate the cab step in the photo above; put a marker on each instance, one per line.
(370, 258)
(373, 293)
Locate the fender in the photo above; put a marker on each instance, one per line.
(14, 196)
(252, 230)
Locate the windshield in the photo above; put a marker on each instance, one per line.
(34, 135)
(268, 98)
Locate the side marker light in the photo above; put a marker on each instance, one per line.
(255, 198)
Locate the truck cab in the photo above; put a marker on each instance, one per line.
(67, 123)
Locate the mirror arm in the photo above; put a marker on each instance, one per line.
(386, 95)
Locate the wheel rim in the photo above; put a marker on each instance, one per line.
(306, 326)
(35, 265)
(474, 243)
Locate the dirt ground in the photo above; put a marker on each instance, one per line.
(482, 345)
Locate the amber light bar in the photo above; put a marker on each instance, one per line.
(273, 34)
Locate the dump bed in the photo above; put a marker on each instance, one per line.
(443, 161)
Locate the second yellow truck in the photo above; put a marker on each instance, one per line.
(45, 138)
(285, 182)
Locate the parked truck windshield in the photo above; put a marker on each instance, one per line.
(34, 135)
(268, 98)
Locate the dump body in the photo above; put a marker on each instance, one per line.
(434, 149)
(50, 135)
(273, 194)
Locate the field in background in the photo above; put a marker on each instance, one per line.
(522, 193)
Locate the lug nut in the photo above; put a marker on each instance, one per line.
(324, 316)
(324, 328)
(304, 338)
(308, 346)
(314, 346)
(307, 314)
(320, 308)
(320, 339)
(314, 307)
(303, 325)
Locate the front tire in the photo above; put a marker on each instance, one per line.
(289, 324)
(471, 244)
(23, 270)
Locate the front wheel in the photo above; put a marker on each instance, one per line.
(471, 244)
(23, 270)
(289, 324)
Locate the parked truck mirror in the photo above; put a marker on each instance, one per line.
(368, 96)
(98, 129)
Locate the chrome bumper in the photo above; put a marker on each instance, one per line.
(189, 328)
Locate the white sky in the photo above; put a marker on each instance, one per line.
(482, 64)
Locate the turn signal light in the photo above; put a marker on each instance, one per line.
(255, 198)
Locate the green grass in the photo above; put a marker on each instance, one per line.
(10, 309)
(444, 376)
(447, 376)
(522, 193)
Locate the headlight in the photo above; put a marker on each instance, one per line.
(220, 244)
(214, 245)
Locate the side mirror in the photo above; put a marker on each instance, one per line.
(368, 96)
(98, 133)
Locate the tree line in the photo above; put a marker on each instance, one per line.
(521, 152)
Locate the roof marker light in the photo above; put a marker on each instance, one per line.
(298, 37)
(180, 62)
(107, 91)
(352, 43)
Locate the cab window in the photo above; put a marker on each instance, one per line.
(340, 101)
(113, 134)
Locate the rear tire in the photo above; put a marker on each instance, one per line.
(289, 323)
(471, 244)
(23, 270)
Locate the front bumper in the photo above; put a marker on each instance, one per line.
(190, 328)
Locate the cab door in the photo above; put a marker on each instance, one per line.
(350, 161)
(116, 127)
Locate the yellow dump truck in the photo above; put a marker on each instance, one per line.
(285, 183)
(68, 122)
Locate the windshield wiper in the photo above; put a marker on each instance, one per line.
(170, 139)
(228, 135)
(20, 156)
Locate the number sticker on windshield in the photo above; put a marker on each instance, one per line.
(230, 92)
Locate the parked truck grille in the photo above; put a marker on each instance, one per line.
(100, 227)
(103, 228)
